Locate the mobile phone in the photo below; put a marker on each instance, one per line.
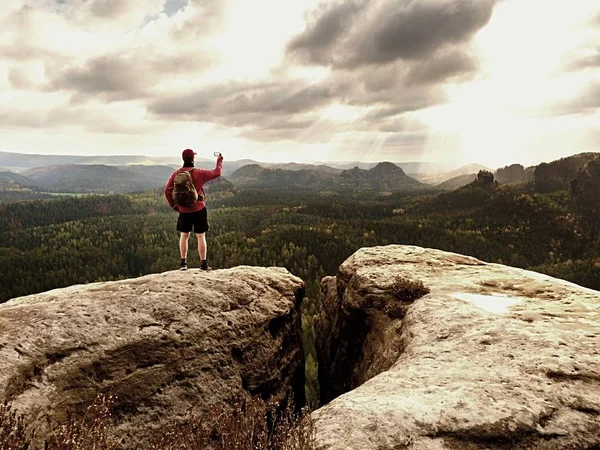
(217, 154)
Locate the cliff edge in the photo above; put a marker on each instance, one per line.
(163, 344)
(480, 356)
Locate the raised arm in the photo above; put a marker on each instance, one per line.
(208, 175)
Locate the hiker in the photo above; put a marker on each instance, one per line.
(185, 194)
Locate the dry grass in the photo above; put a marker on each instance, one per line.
(245, 425)
(90, 432)
(12, 430)
(249, 425)
(408, 290)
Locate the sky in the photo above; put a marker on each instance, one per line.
(489, 81)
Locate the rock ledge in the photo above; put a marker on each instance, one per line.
(492, 358)
(161, 343)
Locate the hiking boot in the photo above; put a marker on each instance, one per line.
(183, 266)
(205, 267)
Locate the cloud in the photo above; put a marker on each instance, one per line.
(202, 17)
(584, 101)
(363, 77)
(442, 67)
(108, 9)
(107, 49)
(383, 86)
(395, 55)
(585, 62)
(59, 113)
(113, 14)
(285, 109)
(388, 31)
(328, 24)
(124, 76)
(227, 101)
(19, 79)
(107, 74)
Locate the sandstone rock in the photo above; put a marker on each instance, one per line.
(163, 344)
(492, 358)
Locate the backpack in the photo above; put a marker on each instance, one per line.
(184, 190)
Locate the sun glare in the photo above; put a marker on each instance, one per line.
(496, 117)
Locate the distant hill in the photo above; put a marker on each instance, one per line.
(548, 177)
(511, 175)
(99, 178)
(557, 175)
(22, 162)
(256, 176)
(14, 181)
(456, 182)
(383, 177)
(88, 178)
(514, 174)
(218, 185)
(104, 179)
(438, 178)
(297, 166)
(409, 167)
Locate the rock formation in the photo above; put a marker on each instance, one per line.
(162, 344)
(491, 358)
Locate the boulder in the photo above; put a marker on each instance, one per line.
(163, 344)
(493, 357)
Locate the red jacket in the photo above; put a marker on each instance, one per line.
(200, 176)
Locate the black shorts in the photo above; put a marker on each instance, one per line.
(197, 220)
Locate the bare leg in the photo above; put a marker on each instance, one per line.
(201, 245)
(183, 244)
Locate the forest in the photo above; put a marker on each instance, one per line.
(58, 242)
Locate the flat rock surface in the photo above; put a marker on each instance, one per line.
(162, 344)
(492, 358)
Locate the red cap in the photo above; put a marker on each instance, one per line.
(188, 154)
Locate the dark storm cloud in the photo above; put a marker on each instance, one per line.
(327, 25)
(383, 112)
(122, 77)
(224, 101)
(284, 110)
(390, 31)
(378, 86)
(287, 124)
(392, 56)
(111, 75)
(297, 135)
(442, 67)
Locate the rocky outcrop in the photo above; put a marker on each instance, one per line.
(491, 358)
(163, 344)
